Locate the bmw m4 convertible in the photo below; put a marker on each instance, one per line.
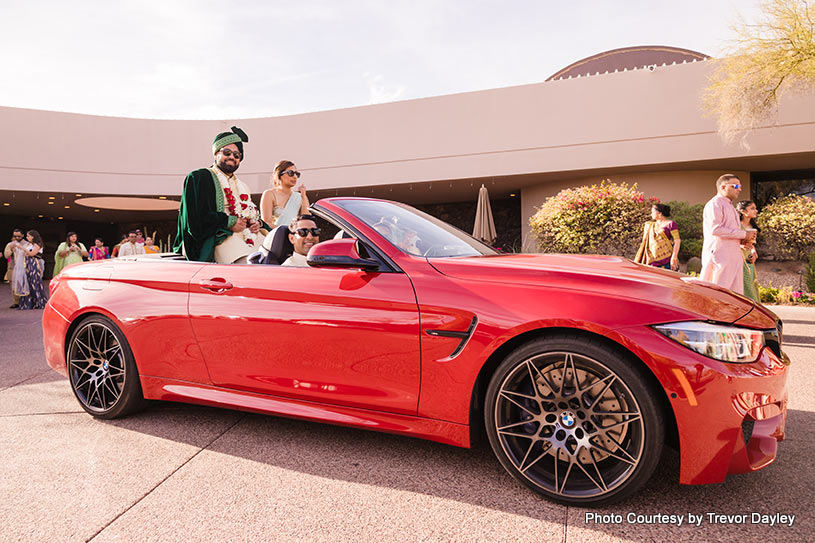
(578, 369)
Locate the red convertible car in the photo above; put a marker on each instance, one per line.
(578, 369)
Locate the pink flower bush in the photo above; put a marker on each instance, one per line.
(605, 218)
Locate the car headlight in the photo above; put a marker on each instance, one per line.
(722, 342)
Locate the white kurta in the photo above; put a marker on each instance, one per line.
(238, 244)
(722, 261)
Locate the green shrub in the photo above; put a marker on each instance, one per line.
(788, 227)
(603, 219)
(688, 217)
(784, 296)
(810, 274)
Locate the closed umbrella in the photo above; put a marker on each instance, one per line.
(484, 228)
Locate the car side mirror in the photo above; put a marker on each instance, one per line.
(339, 253)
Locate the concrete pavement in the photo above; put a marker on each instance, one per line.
(187, 473)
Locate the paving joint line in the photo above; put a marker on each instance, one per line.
(26, 379)
(187, 461)
(566, 525)
(6, 416)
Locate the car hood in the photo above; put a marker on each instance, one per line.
(612, 276)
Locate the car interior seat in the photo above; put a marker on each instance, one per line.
(276, 248)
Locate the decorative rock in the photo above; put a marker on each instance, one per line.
(695, 264)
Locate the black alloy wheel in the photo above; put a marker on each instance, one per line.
(572, 419)
(102, 370)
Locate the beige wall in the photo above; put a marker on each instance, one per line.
(693, 186)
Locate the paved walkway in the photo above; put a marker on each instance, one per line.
(185, 473)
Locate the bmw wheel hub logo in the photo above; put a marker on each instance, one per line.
(567, 420)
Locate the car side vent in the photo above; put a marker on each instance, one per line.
(465, 336)
(747, 430)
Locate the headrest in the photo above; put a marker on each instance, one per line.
(277, 246)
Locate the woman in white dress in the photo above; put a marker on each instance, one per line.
(280, 204)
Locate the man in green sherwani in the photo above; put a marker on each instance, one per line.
(217, 220)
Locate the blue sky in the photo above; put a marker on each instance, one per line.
(184, 59)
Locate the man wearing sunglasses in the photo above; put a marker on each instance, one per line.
(722, 261)
(217, 220)
(303, 234)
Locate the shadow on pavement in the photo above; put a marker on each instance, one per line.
(475, 477)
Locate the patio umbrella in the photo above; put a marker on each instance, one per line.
(484, 228)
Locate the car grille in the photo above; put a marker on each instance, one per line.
(772, 338)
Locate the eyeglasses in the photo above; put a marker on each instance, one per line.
(230, 152)
(292, 173)
(303, 232)
(734, 185)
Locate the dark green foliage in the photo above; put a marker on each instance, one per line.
(810, 274)
(689, 219)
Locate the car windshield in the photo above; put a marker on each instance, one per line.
(414, 232)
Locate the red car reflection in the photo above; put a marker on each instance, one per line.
(577, 368)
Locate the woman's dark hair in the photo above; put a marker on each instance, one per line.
(664, 209)
(741, 206)
(68, 237)
(97, 238)
(36, 235)
(281, 167)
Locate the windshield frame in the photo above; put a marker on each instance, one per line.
(446, 231)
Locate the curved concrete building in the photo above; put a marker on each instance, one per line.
(641, 125)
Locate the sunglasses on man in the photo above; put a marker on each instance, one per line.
(303, 232)
(230, 152)
(292, 173)
(734, 185)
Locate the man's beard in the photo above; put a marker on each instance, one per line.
(227, 168)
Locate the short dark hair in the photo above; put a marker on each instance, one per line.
(131, 232)
(298, 218)
(664, 209)
(20, 230)
(725, 178)
(97, 238)
(36, 235)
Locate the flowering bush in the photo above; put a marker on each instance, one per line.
(784, 296)
(788, 227)
(603, 219)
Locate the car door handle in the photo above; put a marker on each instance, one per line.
(216, 285)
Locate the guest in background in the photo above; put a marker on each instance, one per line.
(139, 237)
(747, 217)
(69, 252)
(722, 261)
(34, 296)
(99, 251)
(660, 240)
(118, 246)
(281, 204)
(149, 247)
(130, 247)
(12, 253)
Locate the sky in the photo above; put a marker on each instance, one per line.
(185, 59)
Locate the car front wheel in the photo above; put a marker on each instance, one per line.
(102, 370)
(572, 419)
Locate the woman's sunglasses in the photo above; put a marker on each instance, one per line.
(303, 232)
(292, 173)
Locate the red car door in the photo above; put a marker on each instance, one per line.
(338, 336)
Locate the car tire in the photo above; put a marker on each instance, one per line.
(588, 441)
(102, 370)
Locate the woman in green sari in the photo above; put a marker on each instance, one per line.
(69, 252)
(747, 215)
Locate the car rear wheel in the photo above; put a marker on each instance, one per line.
(102, 370)
(572, 419)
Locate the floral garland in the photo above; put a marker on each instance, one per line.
(247, 210)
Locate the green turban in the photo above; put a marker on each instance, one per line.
(237, 136)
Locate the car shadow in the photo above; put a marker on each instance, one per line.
(475, 477)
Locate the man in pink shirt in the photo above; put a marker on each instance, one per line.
(722, 261)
